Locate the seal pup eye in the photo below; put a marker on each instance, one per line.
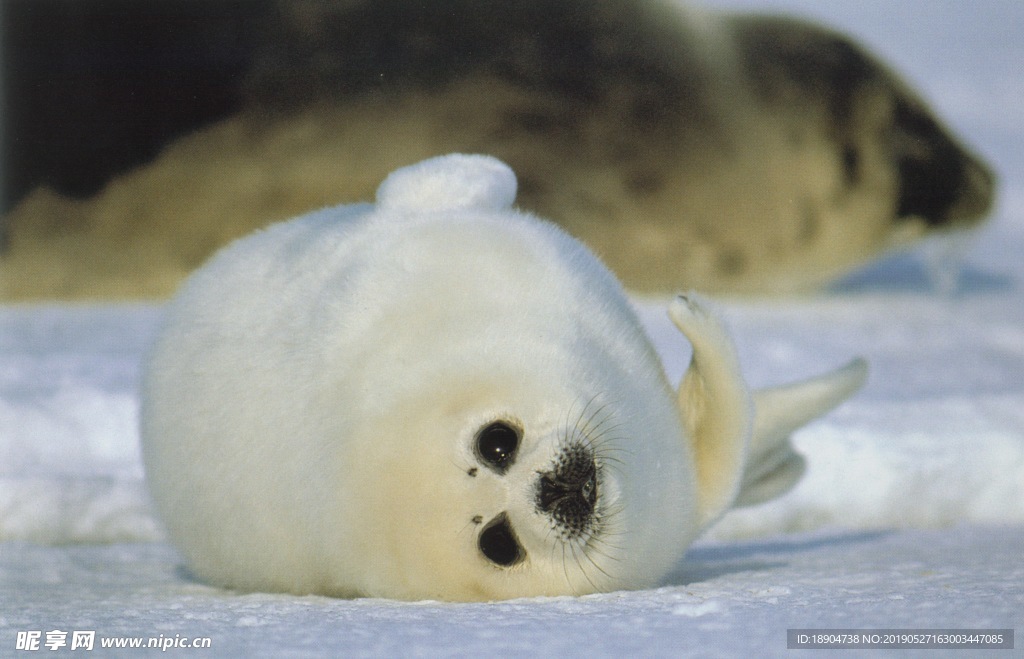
(496, 445)
(499, 544)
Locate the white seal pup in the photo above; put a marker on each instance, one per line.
(438, 396)
(723, 152)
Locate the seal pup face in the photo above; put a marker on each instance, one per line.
(527, 497)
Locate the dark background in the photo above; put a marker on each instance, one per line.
(92, 88)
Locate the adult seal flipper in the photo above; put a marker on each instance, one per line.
(741, 441)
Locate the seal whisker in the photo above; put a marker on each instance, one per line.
(468, 469)
(583, 569)
(474, 521)
(565, 564)
(593, 562)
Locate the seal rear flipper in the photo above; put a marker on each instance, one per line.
(773, 467)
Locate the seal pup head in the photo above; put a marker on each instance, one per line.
(438, 396)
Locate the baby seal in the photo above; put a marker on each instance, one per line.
(438, 396)
(689, 149)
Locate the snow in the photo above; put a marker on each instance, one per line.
(911, 514)
(728, 600)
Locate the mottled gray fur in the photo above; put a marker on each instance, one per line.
(690, 149)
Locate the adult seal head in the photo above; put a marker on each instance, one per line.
(438, 396)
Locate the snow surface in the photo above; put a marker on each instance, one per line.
(911, 514)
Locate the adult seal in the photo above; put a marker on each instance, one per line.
(438, 396)
(737, 153)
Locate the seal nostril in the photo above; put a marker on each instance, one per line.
(570, 491)
(589, 489)
(550, 493)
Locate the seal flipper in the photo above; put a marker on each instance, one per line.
(740, 443)
(715, 407)
(773, 467)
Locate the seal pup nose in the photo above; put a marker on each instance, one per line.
(568, 493)
(555, 491)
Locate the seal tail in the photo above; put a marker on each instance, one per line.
(773, 467)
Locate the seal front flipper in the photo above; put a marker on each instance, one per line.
(773, 467)
(715, 407)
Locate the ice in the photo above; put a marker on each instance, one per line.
(729, 600)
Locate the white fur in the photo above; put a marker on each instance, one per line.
(311, 405)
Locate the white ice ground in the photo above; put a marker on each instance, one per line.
(911, 515)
